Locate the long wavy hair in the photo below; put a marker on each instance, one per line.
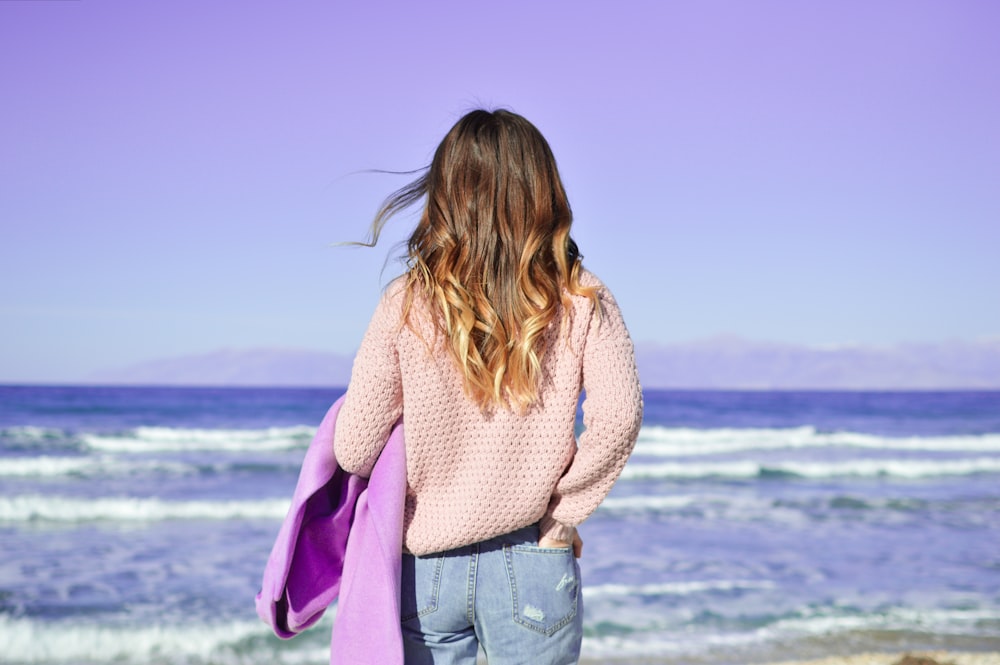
(492, 252)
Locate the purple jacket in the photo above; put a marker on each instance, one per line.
(342, 537)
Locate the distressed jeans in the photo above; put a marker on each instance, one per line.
(521, 602)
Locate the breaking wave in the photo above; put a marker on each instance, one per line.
(38, 508)
(149, 439)
(900, 468)
(684, 442)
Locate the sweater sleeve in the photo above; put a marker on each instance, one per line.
(612, 415)
(374, 399)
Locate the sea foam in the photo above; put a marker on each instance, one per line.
(31, 508)
(674, 588)
(32, 641)
(150, 439)
(901, 468)
(658, 638)
(685, 442)
(89, 467)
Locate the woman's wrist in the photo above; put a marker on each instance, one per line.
(550, 528)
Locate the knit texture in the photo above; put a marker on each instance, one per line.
(474, 475)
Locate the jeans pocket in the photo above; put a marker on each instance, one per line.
(420, 585)
(544, 586)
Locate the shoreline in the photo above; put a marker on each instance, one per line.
(914, 657)
(906, 658)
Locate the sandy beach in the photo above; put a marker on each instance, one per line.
(911, 658)
(868, 658)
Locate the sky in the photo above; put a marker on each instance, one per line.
(174, 176)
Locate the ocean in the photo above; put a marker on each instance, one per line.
(747, 527)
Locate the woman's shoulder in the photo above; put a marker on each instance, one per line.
(394, 293)
(403, 302)
(396, 289)
(589, 280)
(389, 309)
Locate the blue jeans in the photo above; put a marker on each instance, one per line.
(521, 602)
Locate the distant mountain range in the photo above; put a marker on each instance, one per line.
(717, 363)
(730, 362)
(250, 367)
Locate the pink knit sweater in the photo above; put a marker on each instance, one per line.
(472, 476)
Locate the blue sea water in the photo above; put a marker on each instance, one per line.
(747, 527)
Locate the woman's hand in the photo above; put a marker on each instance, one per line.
(544, 541)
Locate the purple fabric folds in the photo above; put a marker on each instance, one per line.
(342, 537)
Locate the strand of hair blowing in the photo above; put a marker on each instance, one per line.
(492, 251)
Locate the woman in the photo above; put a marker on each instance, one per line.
(484, 346)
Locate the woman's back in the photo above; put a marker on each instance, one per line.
(484, 346)
(474, 473)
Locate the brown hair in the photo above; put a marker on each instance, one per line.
(492, 251)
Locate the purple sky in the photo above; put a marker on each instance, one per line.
(173, 173)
